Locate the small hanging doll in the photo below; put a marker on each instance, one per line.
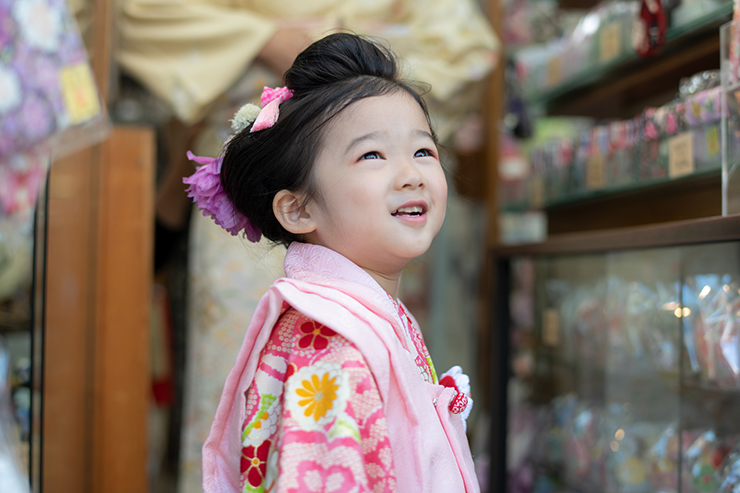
(648, 36)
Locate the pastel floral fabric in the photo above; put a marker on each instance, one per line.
(38, 40)
(314, 417)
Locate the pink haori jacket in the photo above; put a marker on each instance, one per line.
(428, 443)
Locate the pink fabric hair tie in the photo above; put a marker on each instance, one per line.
(270, 101)
(206, 191)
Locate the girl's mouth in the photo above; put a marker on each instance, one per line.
(410, 211)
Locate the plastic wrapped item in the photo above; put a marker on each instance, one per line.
(551, 451)
(620, 158)
(658, 125)
(712, 329)
(627, 459)
(730, 473)
(48, 92)
(663, 461)
(703, 114)
(583, 447)
(12, 479)
(702, 463)
(647, 338)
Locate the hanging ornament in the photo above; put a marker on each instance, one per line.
(648, 35)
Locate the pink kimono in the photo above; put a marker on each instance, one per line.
(429, 451)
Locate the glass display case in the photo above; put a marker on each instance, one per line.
(620, 362)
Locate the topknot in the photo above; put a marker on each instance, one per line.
(340, 57)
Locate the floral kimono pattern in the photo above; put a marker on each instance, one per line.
(314, 416)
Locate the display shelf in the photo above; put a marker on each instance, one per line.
(622, 87)
(692, 197)
(662, 399)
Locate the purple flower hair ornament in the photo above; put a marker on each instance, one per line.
(205, 184)
(205, 189)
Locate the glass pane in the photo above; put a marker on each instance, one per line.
(711, 363)
(642, 369)
(557, 324)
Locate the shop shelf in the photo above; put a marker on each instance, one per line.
(606, 91)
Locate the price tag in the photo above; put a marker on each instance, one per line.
(554, 71)
(551, 327)
(80, 95)
(680, 155)
(537, 192)
(595, 172)
(713, 141)
(611, 42)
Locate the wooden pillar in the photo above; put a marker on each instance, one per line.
(494, 104)
(99, 276)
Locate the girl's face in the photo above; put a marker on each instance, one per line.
(383, 193)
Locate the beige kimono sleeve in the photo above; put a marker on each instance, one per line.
(186, 52)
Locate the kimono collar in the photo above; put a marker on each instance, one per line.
(317, 264)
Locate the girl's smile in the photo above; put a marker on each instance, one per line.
(382, 190)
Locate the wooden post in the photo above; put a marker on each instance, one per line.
(99, 279)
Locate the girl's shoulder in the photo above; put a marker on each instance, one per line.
(302, 340)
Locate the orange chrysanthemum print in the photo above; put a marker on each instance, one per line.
(318, 395)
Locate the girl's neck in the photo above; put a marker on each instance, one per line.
(389, 283)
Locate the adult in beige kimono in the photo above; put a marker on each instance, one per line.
(205, 59)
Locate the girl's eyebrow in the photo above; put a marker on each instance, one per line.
(362, 138)
(375, 135)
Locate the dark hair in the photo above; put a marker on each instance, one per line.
(325, 78)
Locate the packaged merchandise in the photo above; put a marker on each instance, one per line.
(703, 460)
(627, 456)
(584, 452)
(730, 473)
(663, 461)
(703, 115)
(712, 329)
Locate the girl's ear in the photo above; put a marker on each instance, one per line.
(291, 215)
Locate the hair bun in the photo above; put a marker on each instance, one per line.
(339, 57)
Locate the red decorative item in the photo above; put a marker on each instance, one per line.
(460, 401)
(648, 36)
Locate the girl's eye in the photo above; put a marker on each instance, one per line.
(371, 155)
(423, 153)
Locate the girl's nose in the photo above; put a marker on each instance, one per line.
(409, 177)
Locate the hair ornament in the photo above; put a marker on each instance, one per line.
(270, 101)
(243, 118)
(206, 191)
(269, 94)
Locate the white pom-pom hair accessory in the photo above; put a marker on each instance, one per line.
(243, 118)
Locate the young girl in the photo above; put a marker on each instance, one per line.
(333, 388)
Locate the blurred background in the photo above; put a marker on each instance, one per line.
(586, 277)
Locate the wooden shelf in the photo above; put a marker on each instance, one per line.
(690, 198)
(625, 88)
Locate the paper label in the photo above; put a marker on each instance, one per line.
(80, 94)
(611, 42)
(554, 71)
(537, 192)
(551, 327)
(713, 141)
(595, 171)
(680, 155)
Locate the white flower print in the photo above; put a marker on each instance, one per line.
(265, 421)
(40, 23)
(10, 88)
